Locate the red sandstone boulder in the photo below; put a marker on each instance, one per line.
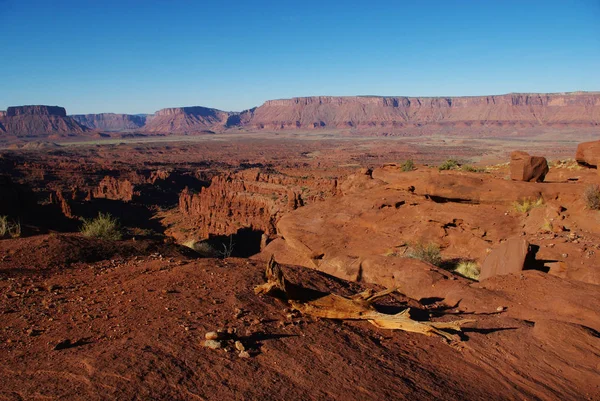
(506, 259)
(588, 153)
(524, 167)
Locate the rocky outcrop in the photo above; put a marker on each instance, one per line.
(249, 199)
(2, 118)
(112, 188)
(508, 258)
(186, 120)
(111, 121)
(374, 111)
(524, 167)
(588, 154)
(40, 121)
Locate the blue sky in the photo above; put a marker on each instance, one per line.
(127, 56)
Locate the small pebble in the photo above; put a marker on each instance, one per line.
(500, 308)
(244, 354)
(211, 335)
(239, 346)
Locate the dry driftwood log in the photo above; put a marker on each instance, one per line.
(357, 307)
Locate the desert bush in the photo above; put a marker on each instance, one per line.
(408, 165)
(9, 228)
(429, 252)
(227, 248)
(468, 269)
(472, 169)
(104, 226)
(591, 196)
(449, 164)
(525, 205)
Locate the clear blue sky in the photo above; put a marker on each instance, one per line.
(128, 56)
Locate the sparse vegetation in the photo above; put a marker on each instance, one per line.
(227, 248)
(547, 226)
(449, 164)
(525, 205)
(9, 228)
(104, 226)
(429, 252)
(408, 165)
(591, 196)
(569, 164)
(472, 169)
(468, 269)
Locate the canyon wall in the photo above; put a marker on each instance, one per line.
(249, 199)
(40, 121)
(111, 121)
(375, 111)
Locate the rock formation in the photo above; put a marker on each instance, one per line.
(112, 188)
(508, 258)
(111, 121)
(186, 120)
(374, 111)
(588, 153)
(40, 121)
(249, 199)
(524, 167)
(2, 118)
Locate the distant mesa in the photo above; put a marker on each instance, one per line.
(34, 121)
(323, 112)
(110, 121)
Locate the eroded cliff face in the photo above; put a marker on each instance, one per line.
(363, 112)
(2, 118)
(249, 200)
(110, 121)
(40, 121)
(186, 120)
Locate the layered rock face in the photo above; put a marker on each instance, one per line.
(364, 112)
(111, 121)
(249, 199)
(186, 120)
(40, 121)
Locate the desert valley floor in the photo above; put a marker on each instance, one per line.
(170, 310)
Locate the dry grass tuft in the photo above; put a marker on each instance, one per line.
(429, 253)
(104, 227)
(468, 269)
(525, 205)
(591, 196)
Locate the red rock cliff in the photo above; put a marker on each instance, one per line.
(372, 111)
(184, 120)
(40, 121)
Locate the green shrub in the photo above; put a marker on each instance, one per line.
(103, 227)
(468, 269)
(408, 165)
(449, 164)
(591, 197)
(429, 253)
(525, 205)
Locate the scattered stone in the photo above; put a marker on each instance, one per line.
(239, 346)
(213, 344)
(500, 309)
(211, 335)
(244, 354)
(524, 167)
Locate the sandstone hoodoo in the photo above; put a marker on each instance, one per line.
(186, 120)
(588, 153)
(35, 121)
(524, 167)
(376, 111)
(111, 121)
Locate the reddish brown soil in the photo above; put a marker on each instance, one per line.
(92, 319)
(138, 326)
